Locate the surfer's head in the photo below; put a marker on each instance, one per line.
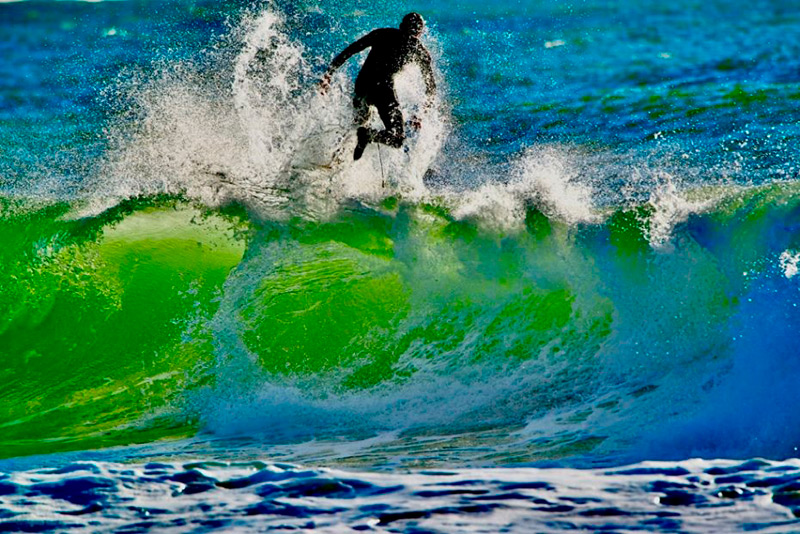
(413, 24)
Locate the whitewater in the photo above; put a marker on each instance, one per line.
(569, 302)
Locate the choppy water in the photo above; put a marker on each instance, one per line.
(258, 497)
(587, 258)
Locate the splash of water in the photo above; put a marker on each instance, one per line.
(262, 135)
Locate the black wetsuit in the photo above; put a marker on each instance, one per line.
(390, 50)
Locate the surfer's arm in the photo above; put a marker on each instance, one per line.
(359, 46)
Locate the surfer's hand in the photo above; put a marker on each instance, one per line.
(325, 84)
(415, 122)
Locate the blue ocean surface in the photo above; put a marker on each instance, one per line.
(568, 302)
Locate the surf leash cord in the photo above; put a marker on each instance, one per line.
(380, 158)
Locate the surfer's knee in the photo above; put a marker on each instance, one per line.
(397, 139)
(395, 133)
(392, 138)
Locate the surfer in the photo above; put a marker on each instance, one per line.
(391, 50)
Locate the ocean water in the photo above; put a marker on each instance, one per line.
(568, 303)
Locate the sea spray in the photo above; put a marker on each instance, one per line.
(262, 135)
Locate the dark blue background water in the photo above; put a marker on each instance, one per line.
(711, 88)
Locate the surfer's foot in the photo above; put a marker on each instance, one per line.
(363, 141)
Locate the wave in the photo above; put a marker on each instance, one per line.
(101, 317)
(228, 273)
(162, 318)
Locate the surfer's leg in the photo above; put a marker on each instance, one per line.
(389, 110)
(360, 118)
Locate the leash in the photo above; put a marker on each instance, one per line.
(380, 158)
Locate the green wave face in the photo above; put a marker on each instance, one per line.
(108, 322)
(101, 321)
(115, 329)
(372, 297)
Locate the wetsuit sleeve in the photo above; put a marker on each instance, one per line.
(360, 45)
(424, 60)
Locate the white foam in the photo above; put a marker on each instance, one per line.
(543, 176)
(789, 262)
(671, 207)
(546, 175)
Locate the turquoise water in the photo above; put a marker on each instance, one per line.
(586, 258)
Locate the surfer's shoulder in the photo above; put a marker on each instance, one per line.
(385, 34)
(376, 37)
